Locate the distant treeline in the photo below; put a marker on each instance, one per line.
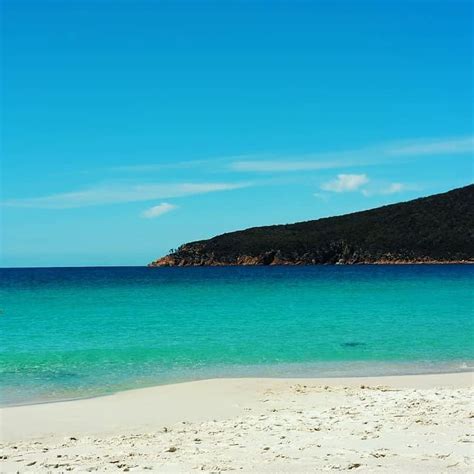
(438, 228)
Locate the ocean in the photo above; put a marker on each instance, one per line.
(78, 332)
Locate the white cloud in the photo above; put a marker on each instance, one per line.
(151, 167)
(113, 194)
(435, 147)
(394, 188)
(263, 163)
(345, 183)
(359, 157)
(391, 188)
(282, 166)
(211, 164)
(158, 210)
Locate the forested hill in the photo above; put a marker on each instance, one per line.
(438, 228)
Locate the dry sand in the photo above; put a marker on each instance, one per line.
(394, 424)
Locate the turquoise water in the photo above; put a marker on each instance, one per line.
(69, 333)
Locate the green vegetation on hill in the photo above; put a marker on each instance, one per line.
(434, 228)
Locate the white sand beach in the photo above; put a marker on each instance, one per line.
(422, 423)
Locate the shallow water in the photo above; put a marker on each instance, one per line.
(74, 332)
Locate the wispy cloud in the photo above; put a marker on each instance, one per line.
(385, 189)
(434, 147)
(345, 182)
(392, 188)
(210, 164)
(112, 194)
(272, 163)
(260, 166)
(356, 158)
(262, 163)
(158, 210)
(362, 183)
(150, 167)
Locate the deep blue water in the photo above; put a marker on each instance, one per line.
(73, 332)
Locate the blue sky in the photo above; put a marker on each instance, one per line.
(130, 128)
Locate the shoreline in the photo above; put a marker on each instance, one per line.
(404, 423)
(149, 265)
(165, 262)
(241, 388)
(327, 378)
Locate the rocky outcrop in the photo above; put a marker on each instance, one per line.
(436, 229)
(275, 258)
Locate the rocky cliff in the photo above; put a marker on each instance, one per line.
(438, 228)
